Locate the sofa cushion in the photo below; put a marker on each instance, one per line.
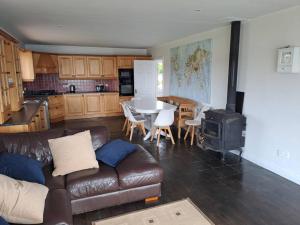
(99, 134)
(21, 167)
(16, 197)
(34, 144)
(114, 152)
(92, 182)
(52, 182)
(73, 153)
(139, 169)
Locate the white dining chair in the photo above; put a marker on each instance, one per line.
(196, 122)
(133, 122)
(126, 123)
(163, 122)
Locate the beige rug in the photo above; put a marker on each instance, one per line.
(182, 212)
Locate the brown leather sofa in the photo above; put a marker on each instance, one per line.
(137, 177)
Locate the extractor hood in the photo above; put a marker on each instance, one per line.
(46, 64)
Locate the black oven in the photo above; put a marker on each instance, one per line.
(126, 86)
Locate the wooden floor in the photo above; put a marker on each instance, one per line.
(230, 193)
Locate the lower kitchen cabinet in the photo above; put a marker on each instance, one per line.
(74, 105)
(56, 108)
(89, 105)
(111, 103)
(92, 103)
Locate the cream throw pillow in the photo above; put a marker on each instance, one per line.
(21, 201)
(73, 153)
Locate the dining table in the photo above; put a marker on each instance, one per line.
(150, 108)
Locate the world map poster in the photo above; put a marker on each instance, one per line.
(191, 71)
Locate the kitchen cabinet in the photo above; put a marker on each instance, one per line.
(36, 123)
(111, 103)
(94, 67)
(4, 87)
(79, 64)
(65, 67)
(12, 87)
(56, 108)
(74, 105)
(109, 67)
(125, 62)
(143, 57)
(92, 103)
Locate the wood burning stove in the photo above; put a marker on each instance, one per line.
(222, 131)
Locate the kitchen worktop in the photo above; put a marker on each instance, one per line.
(92, 92)
(24, 116)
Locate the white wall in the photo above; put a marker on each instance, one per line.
(272, 100)
(220, 59)
(68, 49)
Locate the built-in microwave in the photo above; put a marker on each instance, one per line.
(126, 82)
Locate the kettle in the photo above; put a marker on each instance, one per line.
(72, 88)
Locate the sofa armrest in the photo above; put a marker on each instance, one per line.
(58, 208)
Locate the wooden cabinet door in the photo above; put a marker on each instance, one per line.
(74, 105)
(65, 67)
(92, 104)
(111, 102)
(79, 64)
(125, 62)
(94, 66)
(142, 57)
(109, 69)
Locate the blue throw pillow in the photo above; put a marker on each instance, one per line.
(21, 168)
(114, 152)
(3, 222)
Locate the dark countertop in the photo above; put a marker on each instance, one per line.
(24, 116)
(91, 92)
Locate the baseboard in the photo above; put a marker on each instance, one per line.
(274, 168)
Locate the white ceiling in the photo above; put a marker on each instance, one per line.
(123, 23)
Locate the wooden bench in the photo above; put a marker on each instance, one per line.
(185, 110)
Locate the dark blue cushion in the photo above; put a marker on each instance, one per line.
(114, 152)
(3, 222)
(21, 168)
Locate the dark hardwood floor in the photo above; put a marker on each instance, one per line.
(230, 193)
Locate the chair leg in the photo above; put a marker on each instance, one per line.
(153, 131)
(125, 124)
(179, 130)
(128, 128)
(193, 134)
(143, 129)
(170, 133)
(131, 132)
(158, 136)
(187, 132)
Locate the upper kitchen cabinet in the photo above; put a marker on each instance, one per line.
(142, 57)
(125, 62)
(45, 63)
(4, 87)
(65, 67)
(79, 66)
(26, 61)
(109, 67)
(94, 67)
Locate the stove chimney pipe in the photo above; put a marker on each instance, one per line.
(233, 65)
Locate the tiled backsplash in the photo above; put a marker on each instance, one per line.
(52, 82)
